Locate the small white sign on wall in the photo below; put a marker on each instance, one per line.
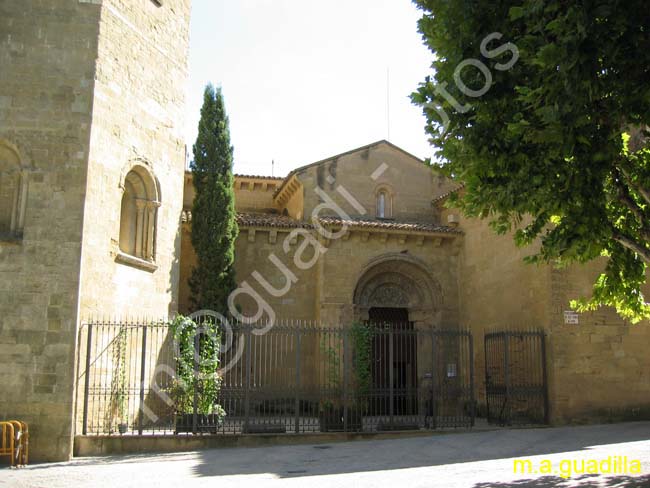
(452, 370)
(571, 317)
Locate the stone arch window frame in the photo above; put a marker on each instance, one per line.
(146, 217)
(389, 195)
(19, 204)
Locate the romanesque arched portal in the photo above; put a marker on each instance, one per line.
(396, 296)
(399, 281)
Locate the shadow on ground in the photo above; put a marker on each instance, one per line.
(586, 481)
(435, 450)
(291, 461)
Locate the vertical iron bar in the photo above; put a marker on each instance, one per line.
(391, 374)
(506, 361)
(143, 369)
(346, 378)
(547, 413)
(195, 400)
(433, 379)
(298, 332)
(486, 353)
(472, 398)
(84, 429)
(247, 384)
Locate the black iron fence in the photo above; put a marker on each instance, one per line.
(515, 377)
(295, 377)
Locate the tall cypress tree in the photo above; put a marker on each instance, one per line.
(214, 228)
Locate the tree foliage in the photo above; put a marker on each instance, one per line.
(546, 149)
(214, 227)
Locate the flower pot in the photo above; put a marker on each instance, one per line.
(122, 428)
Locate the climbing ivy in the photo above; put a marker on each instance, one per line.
(205, 380)
(362, 346)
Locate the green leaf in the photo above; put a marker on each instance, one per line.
(516, 13)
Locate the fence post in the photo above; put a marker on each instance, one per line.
(195, 400)
(346, 378)
(298, 331)
(487, 352)
(471, 378)
(391, 373)
(247, 384)
(542, 336)
(434, 377)
(84, 428)
(143, 366)
(506, 376)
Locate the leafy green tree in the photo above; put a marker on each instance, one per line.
(214, 228)
(547, 130)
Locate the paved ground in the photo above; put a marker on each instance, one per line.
(473, 460)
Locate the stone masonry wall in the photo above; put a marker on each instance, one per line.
(497, 289)
(47, 60)
(410, 182)
(601, 365)
(252, 250)
(597, 370)
(345, 261)
(138, 117)
(255, 194)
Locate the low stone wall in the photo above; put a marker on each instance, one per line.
(110, 445)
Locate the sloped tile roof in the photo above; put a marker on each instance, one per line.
(384, 224)
(284, 222)
(260, 177)
(444, 196)
(270, 220)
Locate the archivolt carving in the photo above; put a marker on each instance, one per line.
(389, 295)
(397, 280)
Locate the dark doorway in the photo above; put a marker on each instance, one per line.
(394, 362)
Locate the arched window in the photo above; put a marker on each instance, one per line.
(13, 193)
(381, 204)
(384, 204)
(140, 202)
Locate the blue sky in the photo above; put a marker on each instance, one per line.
(304, 80)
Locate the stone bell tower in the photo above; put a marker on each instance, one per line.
(92, 157)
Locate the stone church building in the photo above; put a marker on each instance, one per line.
(95, 215)
(374, 236)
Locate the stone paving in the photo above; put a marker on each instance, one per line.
(473, 460)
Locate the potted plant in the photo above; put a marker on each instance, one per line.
(195, 389)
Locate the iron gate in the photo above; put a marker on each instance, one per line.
(515, 377)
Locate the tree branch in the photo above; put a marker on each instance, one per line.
(626, 199)
(645, 194)
(632, 245)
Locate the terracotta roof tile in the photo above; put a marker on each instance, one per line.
(260, 177)
(444, 196)
(399, 225)
(270, 220)
(283, 222)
